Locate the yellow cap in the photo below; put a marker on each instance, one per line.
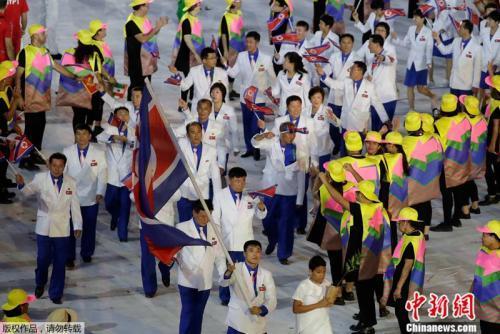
(336, 170)
(394, 137)
(471, 104)
(63, 315)
(84, 36)
(449, 103)
(36, 29)
(413, 121)
(408, 214)
(190, 3)
(427, 123)
(367, 188)
(139, 2)
(17, 297)
(353, 141)
(494, 82)
(493, 226)
(96, 25)
(373, 136)
(7, 69)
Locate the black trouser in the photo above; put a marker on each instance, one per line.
(401, 314)
(394, 235)
(489, 327)
(97, 107)
(4, 149)
(365, 293)
(319, 9)
(379, 286)
(470, 192)
(136, 80)
(34, 127)
(82, 116)
(335, 257)
(492, 174)
(424, 210)
(453, 196)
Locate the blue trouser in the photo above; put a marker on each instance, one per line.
(185, 209)
(117, 201)
(390, 109)
(224, 293)
(148, 268)
(322, 160)
(231, 330)
(335, 132)
(89, 222)
(193, 304)
(51, 251)
(280, 223)
(302, 210)
(250, 127)
(459, 92)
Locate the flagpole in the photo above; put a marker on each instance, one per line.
(198, 191)
(16, 172)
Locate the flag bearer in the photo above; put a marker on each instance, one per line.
(57, 204)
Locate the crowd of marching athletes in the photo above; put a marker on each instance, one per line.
(322, 115)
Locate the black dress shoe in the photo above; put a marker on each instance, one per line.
(247, 154)
(166, 281)
(9, 194)
(465, 216)
(349, 296)
(9, 184)
(57, 301)
(270, 249)
(442, 228)
(28, 165)
(339, 301)
(87, 259)
(97, 131)
(70, 264)
(124, 240)
(366, 330)
(39, 291)
(355, 316)
(359, 326)
(301, 231)
(112, 226)
(233, 95)
(475, 211)
(224, 303)
(383, 312)
(149, 295)
(256, 154)
(5, 200)
(488, 200)
(37, 159)
(456, 222)
(284, 262)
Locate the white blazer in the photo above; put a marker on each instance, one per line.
(366, 56)
(491, 48)
(208, 170)
(55, 209)
(420, 46)
(290, 179)
(339, 71)
(196, 263)
(299, 85)
(234, 220)
(202, 84)
(384, 76)
(238, 315)
(298, 48)
(356, 107)
(369, 24)
(229, 123)
(467, 63)
(91, 176)
(261, 75)
(316, 41)
(118, 159)
(444, 26)
(321, 124)
(114, 103)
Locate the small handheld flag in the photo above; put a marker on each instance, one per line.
(88, 83)
(392, 13)
(288, 38)
(267, 192)
(278, 21)
(120, 90)
(269, 93)
(316, 59)
(426, 9)
(318, 50)
(174, 79)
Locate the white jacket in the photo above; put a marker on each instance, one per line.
(261, 76)
(356, 107)
(55, 209)
(491, 48)
(316, 41)
(384, 76)
(299, 85)
(369, 24)
(421, 46)
(321, 124)
(467, 63)
(298, 48)
(208, 170)
(236, 221)
(202, 84)
(114, 103)
(290, 179)
(227, 119)
(118, 155)
(196, 263)
(444, 26)
(91, 177)
(238, 315)
(339, 71)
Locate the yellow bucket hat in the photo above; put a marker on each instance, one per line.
(190, 3)
(96, 25)
(427, 123)
(394, 137)
(63, 315)
(84, 36)
(139, 2)
(471, 104)
(36, 29)
(367, 188)
(353, 142)
(493, 226)
(373, 136)
(408, 214)
(449, 103)
(413, 121)
(494, 82)
(7, 69)
(17, 297)
(336, 170)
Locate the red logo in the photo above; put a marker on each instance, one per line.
(299, 83)
(321, 118)
(93, 163)
(364, 95)
(249, 205)
(211, 137)
(214, 242)
(226, 117)
(69, 192)
(262, 288)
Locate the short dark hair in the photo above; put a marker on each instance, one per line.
(58, 156)
(205, 52)
(137, 89)
(327, 19)
(490, 5)
(203, 101)
(220, 86)
(237, 172)
(292, 98)
(468, 25)
(81, 126)
(138, 6)
(253, 34)
(386, 26)
(418, 12)
(360, 65)
(316, 261)
(495, 16)
(303, 24)
(3, 4)
(120, 108)
(377, 39)
(316, 90)
(197, 206)
(346, 36)
(249, 243)
(195, 123)
(377, 4)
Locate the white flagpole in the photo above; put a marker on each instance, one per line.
(14, 169)
(198, 192)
